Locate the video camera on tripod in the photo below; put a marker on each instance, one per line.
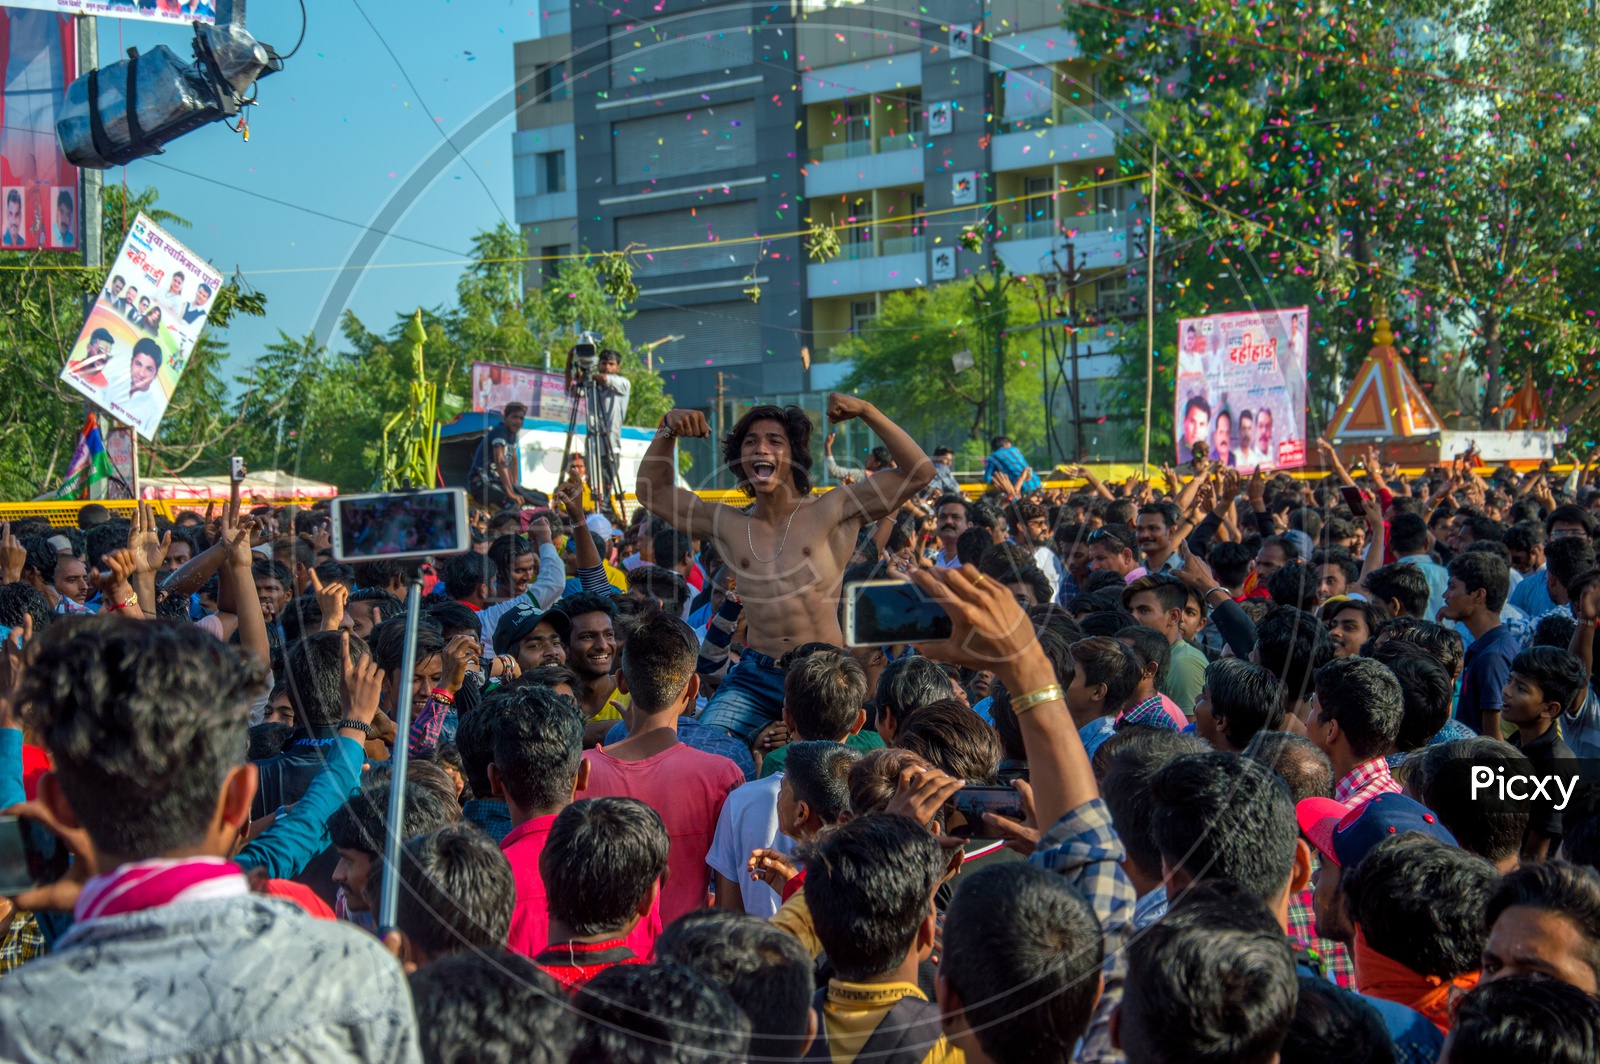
(582, 360)
(585, 384)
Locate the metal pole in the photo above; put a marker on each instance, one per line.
(390, 895)
(1072, 345)
(133, 434)
(1150, 310)
(90, 222)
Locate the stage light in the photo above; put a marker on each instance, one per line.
(130, 109)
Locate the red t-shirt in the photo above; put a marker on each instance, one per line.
(687, 788)
(530, 918)
(572, 964)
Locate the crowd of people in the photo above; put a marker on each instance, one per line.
(1211, 767)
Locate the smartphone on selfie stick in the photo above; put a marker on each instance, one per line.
(410, 525)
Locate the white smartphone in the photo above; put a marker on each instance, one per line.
(401, 524)
(886, 612)
(236, 468)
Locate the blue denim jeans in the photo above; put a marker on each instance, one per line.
(749, 698)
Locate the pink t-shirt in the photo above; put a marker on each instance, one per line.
(687, 788)
(530, 918)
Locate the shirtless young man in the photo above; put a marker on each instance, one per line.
(788, 551)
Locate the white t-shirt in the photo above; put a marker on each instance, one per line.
(749, 821)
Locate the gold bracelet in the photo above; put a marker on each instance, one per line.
(1023, 703)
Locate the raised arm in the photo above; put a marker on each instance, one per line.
(1375, 547)
(252, 626)
(657, 490)
(883, 493)
(990, 631)
(1333, 459)
(1095, 484)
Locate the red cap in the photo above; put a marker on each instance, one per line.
(1318, 817)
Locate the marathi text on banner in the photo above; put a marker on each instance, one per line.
(542, 392)
(143, 327)
(1241, 393)
(38, 187)
(183, 12)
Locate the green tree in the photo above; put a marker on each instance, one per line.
(1350, 157)
(320, 413)
(906, 364)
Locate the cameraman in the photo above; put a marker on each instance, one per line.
(612, 390)
(496, 479)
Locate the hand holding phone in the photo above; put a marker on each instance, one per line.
(888, 612)
(973, 802)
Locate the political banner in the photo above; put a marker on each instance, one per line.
(544, 393)
(142, 328)
(182, 12)
(38, 187)
(1241, 392)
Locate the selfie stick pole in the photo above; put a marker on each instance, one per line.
(390, 896)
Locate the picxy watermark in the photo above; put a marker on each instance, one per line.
(1556, 787)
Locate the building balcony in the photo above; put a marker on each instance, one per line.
(545, 207)
(1055, 143)
(847, 276)
(1040, 245)
(830, 176)
(847, 149)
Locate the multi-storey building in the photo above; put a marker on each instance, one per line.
(694, 127)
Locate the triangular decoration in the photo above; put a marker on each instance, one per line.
(1384, 400)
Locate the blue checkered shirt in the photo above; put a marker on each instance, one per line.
(1084, 847)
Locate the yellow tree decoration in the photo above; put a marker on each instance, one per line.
(409, 451)
(822, 242)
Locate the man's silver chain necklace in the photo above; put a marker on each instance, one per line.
(748, 538)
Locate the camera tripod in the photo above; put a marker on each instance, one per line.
(599, 458)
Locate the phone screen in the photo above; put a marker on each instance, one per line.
(30, 856)
(882, 612)
(407, 524)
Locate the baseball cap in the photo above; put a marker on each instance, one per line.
(1344, 836)
(599, 525)
(515, 624)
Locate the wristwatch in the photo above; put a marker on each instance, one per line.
(359, 725)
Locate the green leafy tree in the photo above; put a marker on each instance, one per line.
(906, 364)
(1438, 158)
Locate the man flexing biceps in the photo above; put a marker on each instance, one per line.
(788, 549)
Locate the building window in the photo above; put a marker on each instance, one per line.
(551, 257)
(857, 116)
(914, 111)
(862, 314)
(553, 165)
(550, 83)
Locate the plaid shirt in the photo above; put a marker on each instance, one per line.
(23, 942)
(1333, 956)
(427, 727)
(1084, 847)
(1148, 713)
(1010, 461)
(1364, 783)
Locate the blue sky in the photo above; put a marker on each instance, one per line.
(338, 131)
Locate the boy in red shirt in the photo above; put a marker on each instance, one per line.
(686, 786)
(602, 867)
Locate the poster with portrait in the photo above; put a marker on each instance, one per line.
(495, 384)
(38, 187)
(142, 328)
(181, 12)
(1242, 388)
